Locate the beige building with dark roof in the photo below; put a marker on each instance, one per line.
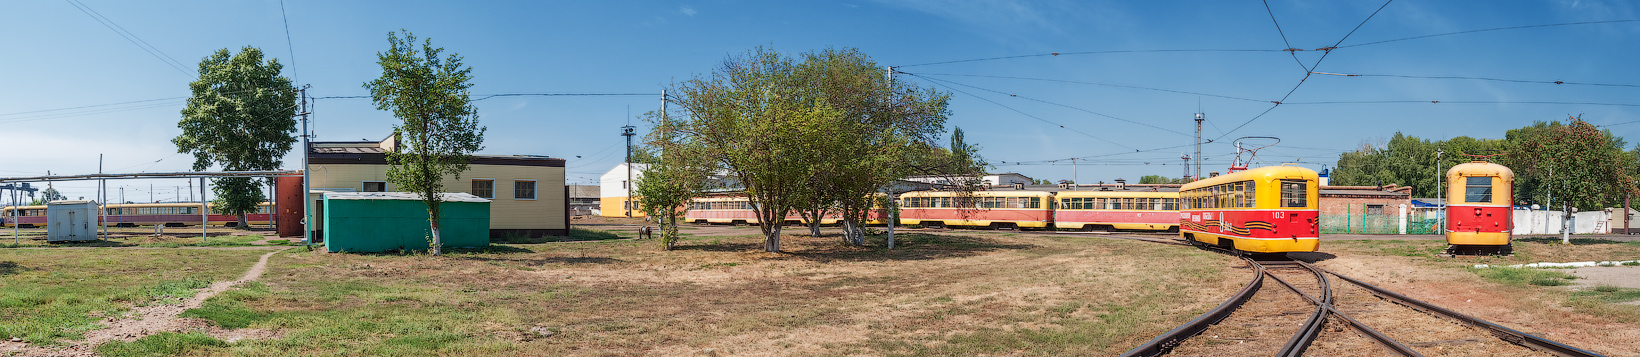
(527, 192)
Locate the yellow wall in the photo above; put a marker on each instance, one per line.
(613, 207)
(546, 211)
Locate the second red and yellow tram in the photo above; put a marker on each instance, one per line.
(1479, 213)
(1264, 210)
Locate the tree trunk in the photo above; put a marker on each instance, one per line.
(853, 232)
(242, 224)
(1566, 223)
(771, 242)
(437, 245)
(814, 228)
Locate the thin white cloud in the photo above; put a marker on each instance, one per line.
(686, 10)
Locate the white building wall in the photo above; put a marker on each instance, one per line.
(610, 184)
(1530, 221)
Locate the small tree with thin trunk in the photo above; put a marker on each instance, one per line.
(439, 129)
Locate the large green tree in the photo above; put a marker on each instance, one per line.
(438, 129)
(792, 130)
(241, 117)
(667, 186)
(1409, 161)
(1581, 165)
(47, 195)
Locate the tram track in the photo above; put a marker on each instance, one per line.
(1354, 304)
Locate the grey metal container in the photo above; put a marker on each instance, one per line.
(71, 221)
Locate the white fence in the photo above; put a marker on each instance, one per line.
(1530, 221)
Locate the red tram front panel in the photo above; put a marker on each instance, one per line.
(1479, 219)
(1297, 224)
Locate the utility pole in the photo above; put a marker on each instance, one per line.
(893, 209)
(1439, 176)
(102, 193)
(1074, 175)
(122, 194)
(204, 214)
(307, 201)
(151, 193)
(627, 131)
(1199, 119)
(190, 191)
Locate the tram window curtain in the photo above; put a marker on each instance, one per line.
(1477, 189)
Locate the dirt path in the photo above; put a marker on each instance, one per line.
(148, 320)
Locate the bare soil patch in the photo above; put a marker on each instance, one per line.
(1445, 282)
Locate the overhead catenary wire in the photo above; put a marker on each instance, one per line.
(936, 82)
(1056, 54)
(132, 37)
(1488, 29)
(1290, 49)
(1556, 82)
(1325, 51)
(1095, 84)
(283, 18)
(1056, 104)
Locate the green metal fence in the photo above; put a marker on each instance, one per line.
(1360, 223)
(1427, 226)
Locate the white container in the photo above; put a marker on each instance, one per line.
(71, 221)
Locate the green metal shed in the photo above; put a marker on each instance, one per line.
(383, 221)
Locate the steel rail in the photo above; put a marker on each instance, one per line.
(1503, 333)
(1383, 340)
(1164, 343)
(1312, 327)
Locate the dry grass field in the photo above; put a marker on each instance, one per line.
(938, 293)
(950, 293)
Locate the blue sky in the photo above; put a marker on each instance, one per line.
(1126, 106)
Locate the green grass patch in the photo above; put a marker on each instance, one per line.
(228, 309)
(161, 344)
(1524, 276)
(47, 295)
(1609, 294)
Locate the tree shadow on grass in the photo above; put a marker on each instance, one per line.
(10, 267)
(907, 246)
(1575, 241)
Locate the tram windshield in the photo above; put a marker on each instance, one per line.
(1294, 194)
(1477, 189)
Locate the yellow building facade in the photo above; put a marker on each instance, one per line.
(527, 193)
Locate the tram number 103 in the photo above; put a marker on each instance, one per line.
(1278, 215)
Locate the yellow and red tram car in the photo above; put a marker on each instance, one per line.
(143, 214)
(995, 209)
(1478, 204)
(1112, 210)
(1270, 209)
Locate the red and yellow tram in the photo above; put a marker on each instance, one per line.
(737, 209)
(1264, 210)
(1478, 206)
(141, 214)
(995, 209)
(1113, 210)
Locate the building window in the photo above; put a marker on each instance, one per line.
(524, 190)
(1477, 189)
(1375, 209)
(484, 188)
(375, 186)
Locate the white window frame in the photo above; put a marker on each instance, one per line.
(492, 186)
(533, 196)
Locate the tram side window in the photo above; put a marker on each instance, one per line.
(1294, 194)
(1170, 204)
(1477, 189)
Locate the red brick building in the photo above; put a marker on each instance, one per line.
(1355, 200)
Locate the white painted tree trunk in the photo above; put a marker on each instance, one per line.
(1566, 224)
